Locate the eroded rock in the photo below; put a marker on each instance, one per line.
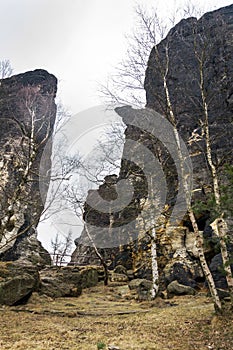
(60, 282)
(27, 116)
(67, 281)
(175, 288)
(17, 282)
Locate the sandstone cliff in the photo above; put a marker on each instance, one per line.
(211, 39)
(27, 116)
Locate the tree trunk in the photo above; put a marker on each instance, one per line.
(199, 238)
(204, 265)
(221, 227)
(154, 266)
(102, 260)
(222, 233)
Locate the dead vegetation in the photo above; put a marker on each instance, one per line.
(102, 316)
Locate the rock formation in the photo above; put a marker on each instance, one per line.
(209, 38)
(27, 116)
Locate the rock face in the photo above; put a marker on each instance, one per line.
(17, 282)
(193, 43)
(27, 116)
(209, 38)
(66, 281)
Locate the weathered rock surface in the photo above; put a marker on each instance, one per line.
(60, 282)
(141, 287)
(66, 281)
(183, 269)
(175, 288)
(17, 282)
(27, 116)
(89, 276)
(216, 268)
(212, 33)
(118, 277)
(176, 246)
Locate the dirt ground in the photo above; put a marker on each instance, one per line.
(101, 317)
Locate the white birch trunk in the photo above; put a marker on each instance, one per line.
(221, 227)
(154, 266)
(200, 245)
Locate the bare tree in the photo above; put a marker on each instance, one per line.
(76, 202)
(5, 69)
(61, 248)
(123, 80)
(126, 85)
(106, 158)
(203, 53)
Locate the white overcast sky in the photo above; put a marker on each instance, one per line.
(79, 41)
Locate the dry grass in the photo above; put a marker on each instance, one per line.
(100, 315)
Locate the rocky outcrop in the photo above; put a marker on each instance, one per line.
(67, 281)
(27, 116)
(60, 282)
(175, 288)
(17, 282)
(210, 38)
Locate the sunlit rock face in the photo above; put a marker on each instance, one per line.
(211, 37)
(27, 116)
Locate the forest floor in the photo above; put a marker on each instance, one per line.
(103, 316)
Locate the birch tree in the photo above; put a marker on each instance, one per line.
(203, 52)
(28, 160)
(162, 63)
(150, 29)
(27, 121)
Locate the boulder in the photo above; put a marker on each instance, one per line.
(175, 288)
(141, 287)
(60, 282)
(120, 269)
(130, 274)
(123, 291)
(17, 282)
(184, 270)
(67, 281)
(89, 276)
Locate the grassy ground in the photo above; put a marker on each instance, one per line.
(100, 315)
